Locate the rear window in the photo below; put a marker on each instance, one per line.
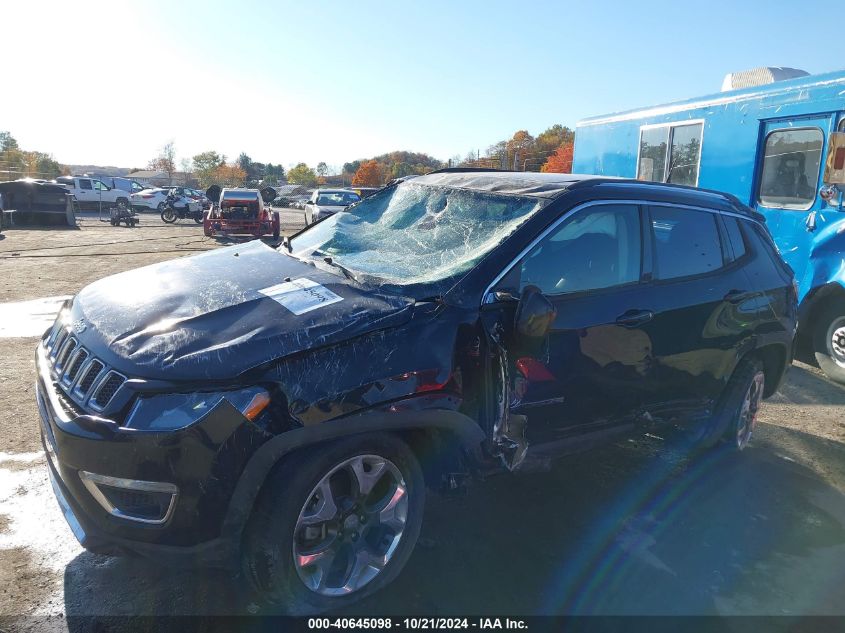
(686, 242)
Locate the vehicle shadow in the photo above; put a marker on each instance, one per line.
(639, 527)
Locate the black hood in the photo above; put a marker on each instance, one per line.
(218, 314)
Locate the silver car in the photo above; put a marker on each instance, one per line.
(325, 202)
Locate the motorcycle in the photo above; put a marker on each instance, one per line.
(178, 208)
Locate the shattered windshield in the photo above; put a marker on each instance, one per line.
(416, 234)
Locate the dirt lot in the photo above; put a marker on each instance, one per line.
(637, 527)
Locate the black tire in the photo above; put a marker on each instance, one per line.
(731, 424)
(268, 544)
(827, 325)
(168, 215)
(198, 217)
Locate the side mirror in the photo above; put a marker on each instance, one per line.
(534, 314)
(834, 166)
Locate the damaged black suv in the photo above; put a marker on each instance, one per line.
(282, 411)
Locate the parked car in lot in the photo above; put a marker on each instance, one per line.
(93, 194)
(282, 410)
(325, 202)
(155, 199)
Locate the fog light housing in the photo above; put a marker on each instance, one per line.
(149, 502)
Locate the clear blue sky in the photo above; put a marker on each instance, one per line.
(335, 81)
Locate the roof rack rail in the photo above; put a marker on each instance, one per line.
(453, 170)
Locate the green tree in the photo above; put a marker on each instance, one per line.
(205, 165)
(303, 175)
(7, 142)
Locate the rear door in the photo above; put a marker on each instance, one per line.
(789, 173)
(696, 331)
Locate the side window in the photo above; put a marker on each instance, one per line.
(99, 186)
(791, 163)
(84, 183)
(686, 242)
(598, 247)
(735, 236)
(842, 125)
(670, 153)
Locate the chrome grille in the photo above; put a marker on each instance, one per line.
(86, 380)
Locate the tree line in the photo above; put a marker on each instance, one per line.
(19, 163)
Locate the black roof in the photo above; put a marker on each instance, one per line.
(551, 186)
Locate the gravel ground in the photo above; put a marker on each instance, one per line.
(635, 527)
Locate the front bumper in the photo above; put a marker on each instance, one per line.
(202, 462)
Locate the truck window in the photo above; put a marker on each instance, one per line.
(670, 153)
(100, 186)
(84, 183)
(791, 164)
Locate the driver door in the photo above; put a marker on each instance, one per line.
(789, 176)
(592, 370)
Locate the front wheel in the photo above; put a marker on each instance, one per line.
(334, 524)
(168, 214)
(829, 341)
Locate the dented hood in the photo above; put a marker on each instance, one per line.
(218, 314)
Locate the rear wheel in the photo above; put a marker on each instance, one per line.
(735, 417)
(334, 524)
(829, 340)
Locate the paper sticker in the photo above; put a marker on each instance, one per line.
(301, 295)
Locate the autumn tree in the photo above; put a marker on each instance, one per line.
(369, 174)
(561, 161)
(229, 175)
(303, 175)
(165, 161)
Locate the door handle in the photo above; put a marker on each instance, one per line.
(736, 296)
(634, 318)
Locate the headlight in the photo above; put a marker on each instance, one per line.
(172, 411)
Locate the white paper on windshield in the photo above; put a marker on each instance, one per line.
(301, 295)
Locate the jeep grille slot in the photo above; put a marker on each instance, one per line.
(65, 352)
(107, 388)
(89, 377)
(74, 366)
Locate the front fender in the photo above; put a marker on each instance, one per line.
(259, 466)
(827, 256)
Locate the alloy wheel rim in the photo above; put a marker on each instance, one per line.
(350, 525)
(749, 410)
(836, 338)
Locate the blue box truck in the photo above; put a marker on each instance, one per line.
(776, 144)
